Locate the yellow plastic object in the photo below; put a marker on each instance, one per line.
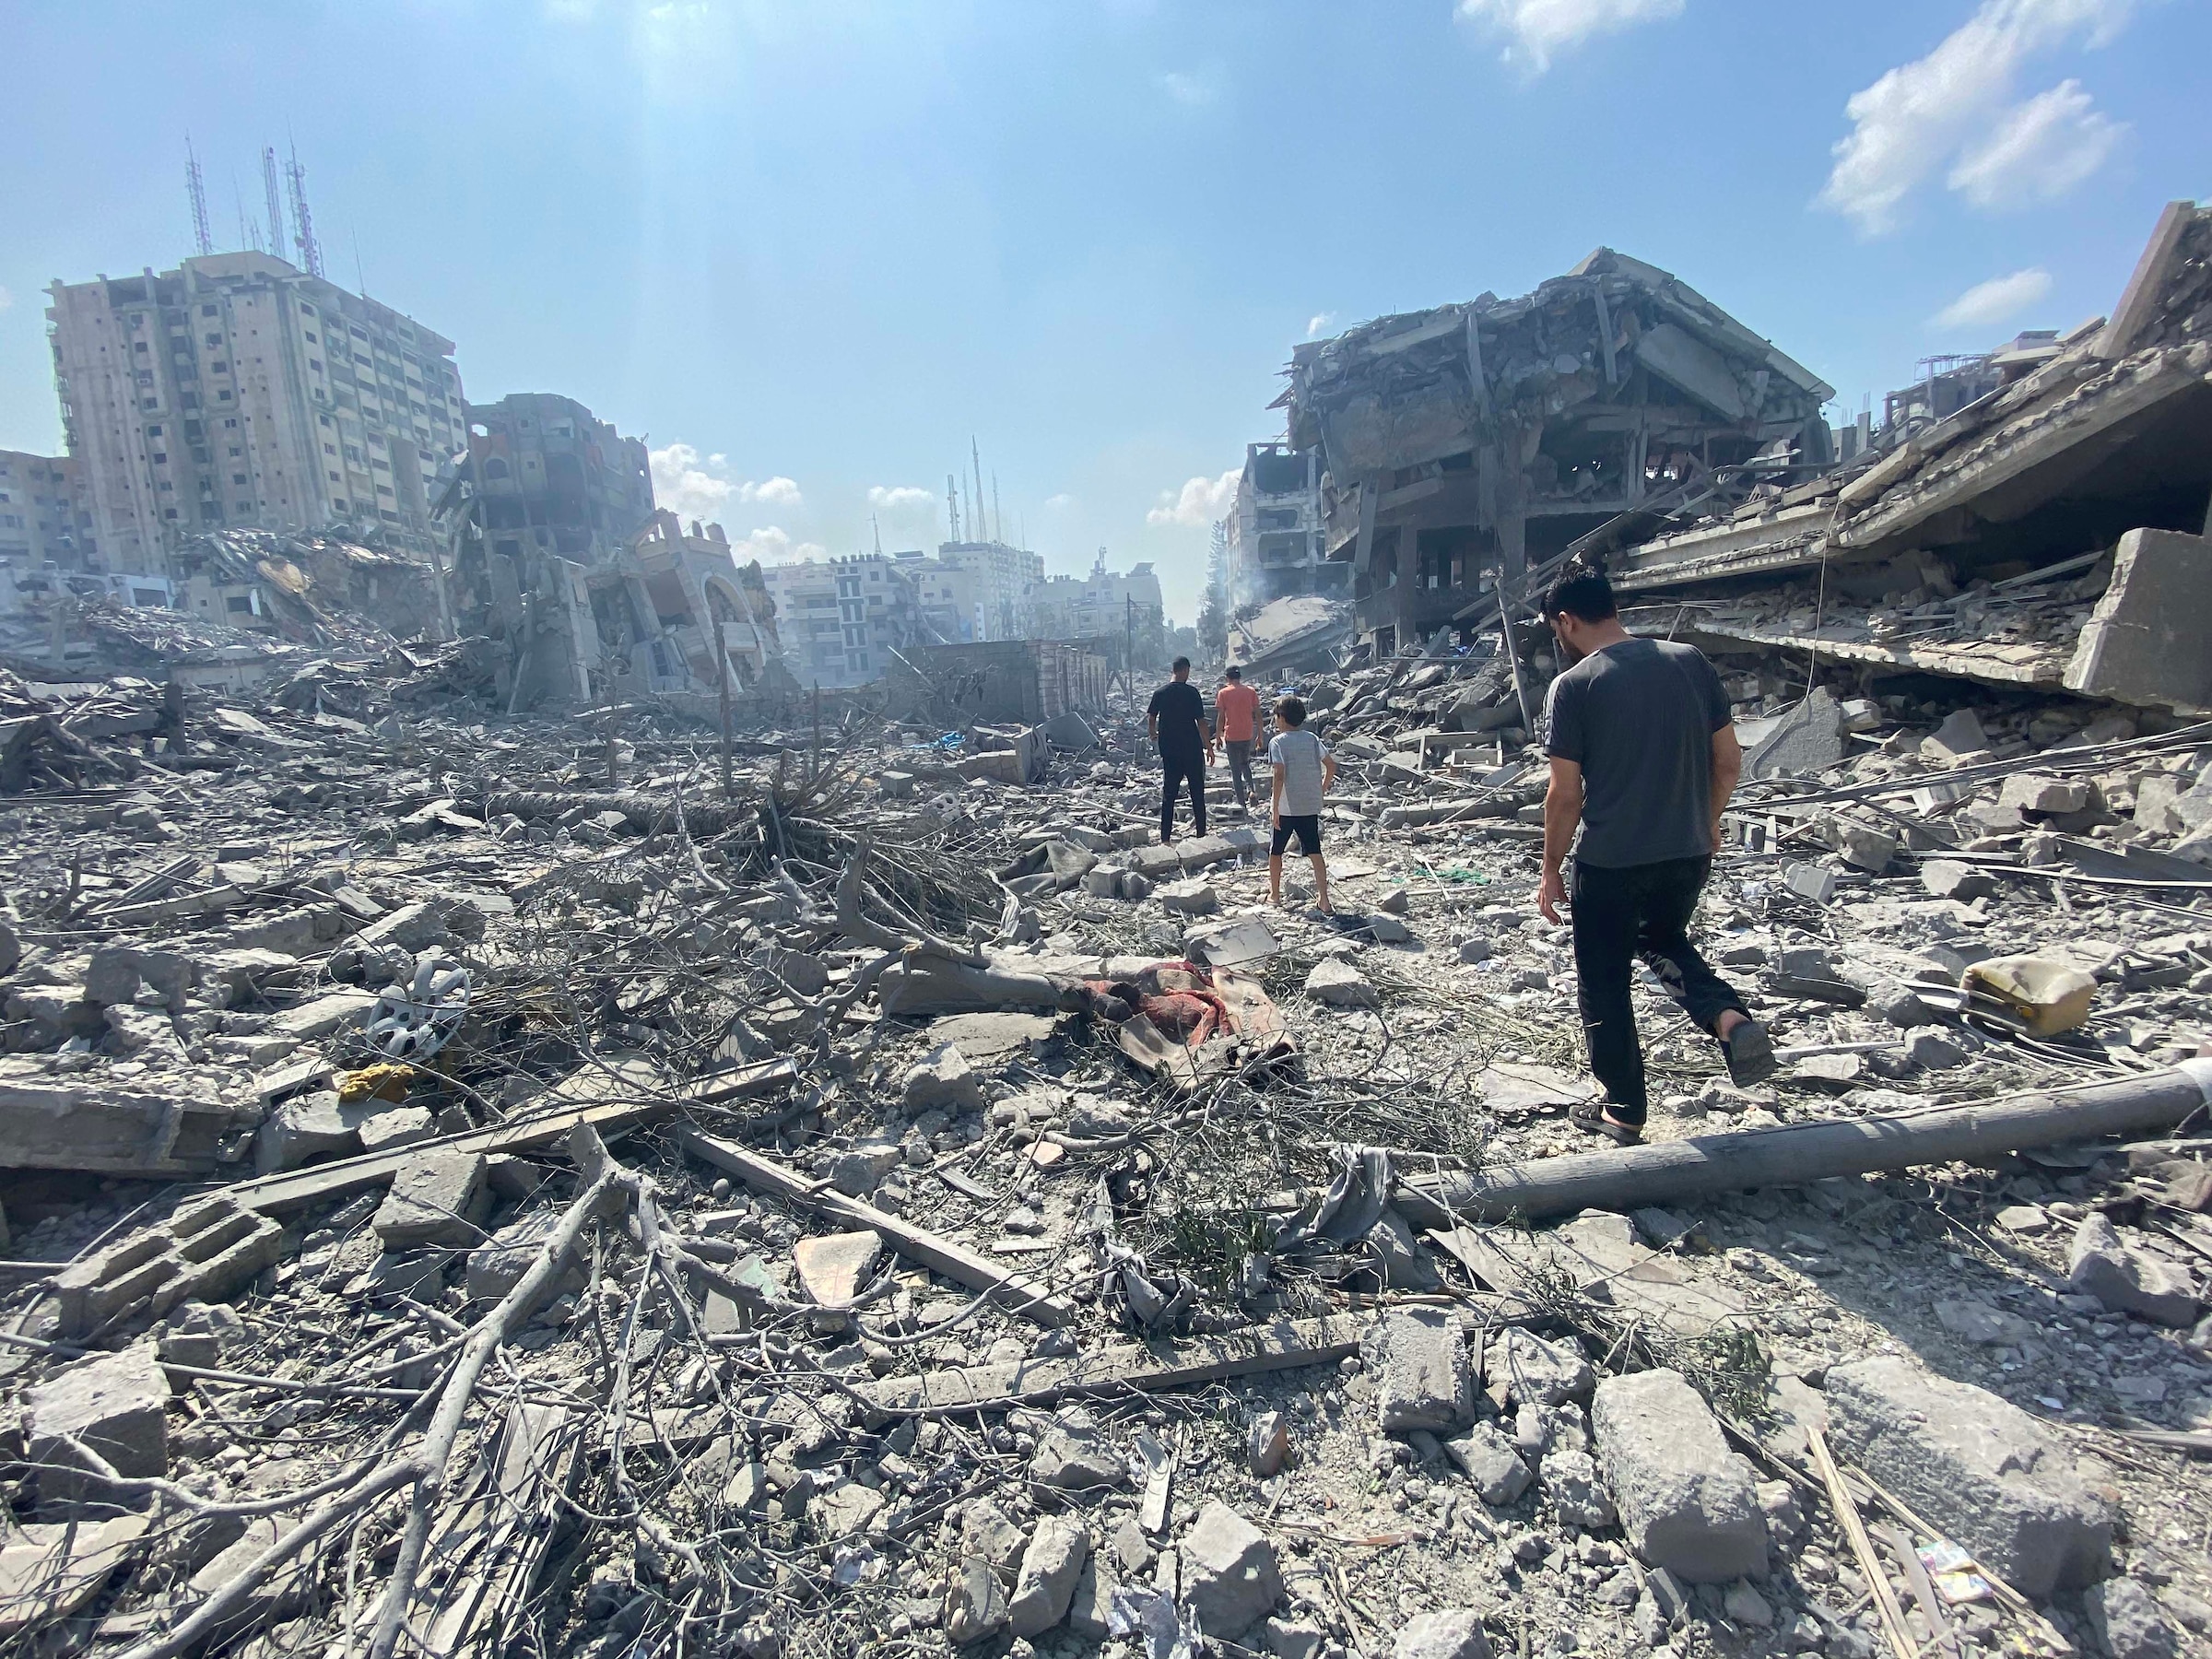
(383, 1081)
(2046, 997)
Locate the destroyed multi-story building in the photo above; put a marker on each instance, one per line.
(44, 516)
(2049, 536)
(238, 391)
(658, 605)
(1468, 440)
(553, 475)
(1276, 545)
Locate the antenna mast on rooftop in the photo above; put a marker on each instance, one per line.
(203, 240)
(303, 226)
(998, 519)
(268, 183)
(976, 502)
(952, 505)
(878, 529)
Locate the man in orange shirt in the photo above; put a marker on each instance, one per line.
(1236, 717)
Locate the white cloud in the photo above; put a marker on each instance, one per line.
(1318, 324)
(901, 498)
(1199, 502)
(1061, 502)
(1997, 300)
(778, 491)
(772, 545)
(693, 486)
(1956, 105)
(1192, 92)
(6, 299)
(1541, 28)
(2040, 151)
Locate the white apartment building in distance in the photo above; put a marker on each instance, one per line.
(840, 619)
(40, 504)
(1006, 578)
(1104, 605)
(238, 391)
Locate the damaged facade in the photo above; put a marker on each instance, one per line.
(2049, 536)
(1474, 439)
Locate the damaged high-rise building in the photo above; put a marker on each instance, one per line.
(1471, 440)
(236, 391)
(1277, 547)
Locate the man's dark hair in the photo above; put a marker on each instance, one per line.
(1235, 673)
(1181, 666)
(1585, 595)
(1291, 712)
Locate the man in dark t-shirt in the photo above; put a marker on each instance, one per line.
(1178, 723)
(1644, 758)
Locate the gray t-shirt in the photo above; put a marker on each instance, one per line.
(1639, 718)
(1297, 757)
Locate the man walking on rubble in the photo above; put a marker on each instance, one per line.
(1178, 724)
(1643, 759)
(1237, 717)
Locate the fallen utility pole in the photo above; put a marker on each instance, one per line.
(1798, 1154)
(1014, 1292)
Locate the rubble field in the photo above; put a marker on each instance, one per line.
(506, 1186)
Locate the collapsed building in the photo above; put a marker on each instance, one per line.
(1462, 442)
(2049, 536)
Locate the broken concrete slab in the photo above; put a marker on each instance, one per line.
(1341, 985)
(1534, 1371)
(1074, 1456)
(1050, 1567)
(49, 1570)
(1419, 1356)
(1979, 1468)
(1230, 1576)
(433, 1200)
(1686, 1502)
(1492, 1463)
(833, 1268)
(2099, 1264)
(115, 1405)
(1455, 1633)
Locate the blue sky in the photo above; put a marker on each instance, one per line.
(807, 249)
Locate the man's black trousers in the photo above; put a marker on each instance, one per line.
(1174, 770)
(1620, 915)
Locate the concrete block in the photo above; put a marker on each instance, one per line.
(208, 1251)
(1492, 1462)
(1456, 1634)
(1686, 1502)
(1418, 1358)
(2128, 1622)
(111, 975)
(2034, 792)
(834, 1267)
(1808, 739)
(1193, 898)
(1341, 985)
(1570, 1481)
(1050, 1566)
(1948, 878)
(432, 1201)
(1230, 1576)
(943, 1081)
(1960, 735)
(2145, 641)
(1074, 1457)
(116, 1405)
(976, 1604)
(2099, 1264)
(1977, 1467)
(1536, 1372)
(498, 1265)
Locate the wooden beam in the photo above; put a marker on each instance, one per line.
(1014, 1292)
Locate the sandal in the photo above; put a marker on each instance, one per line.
(1591, 1115)
(1750, 1054)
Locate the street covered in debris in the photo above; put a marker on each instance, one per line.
(530, 1125)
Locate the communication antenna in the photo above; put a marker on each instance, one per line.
(976, 502)
(998, 519)
(878, 529)
(952, 505)
(248, 233)
(268, 183)
(196, 187)
(303, 226)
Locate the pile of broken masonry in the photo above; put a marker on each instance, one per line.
(487, 1187)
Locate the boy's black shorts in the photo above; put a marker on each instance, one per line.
(1308, 831)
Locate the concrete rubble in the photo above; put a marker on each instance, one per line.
(875, 1199)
